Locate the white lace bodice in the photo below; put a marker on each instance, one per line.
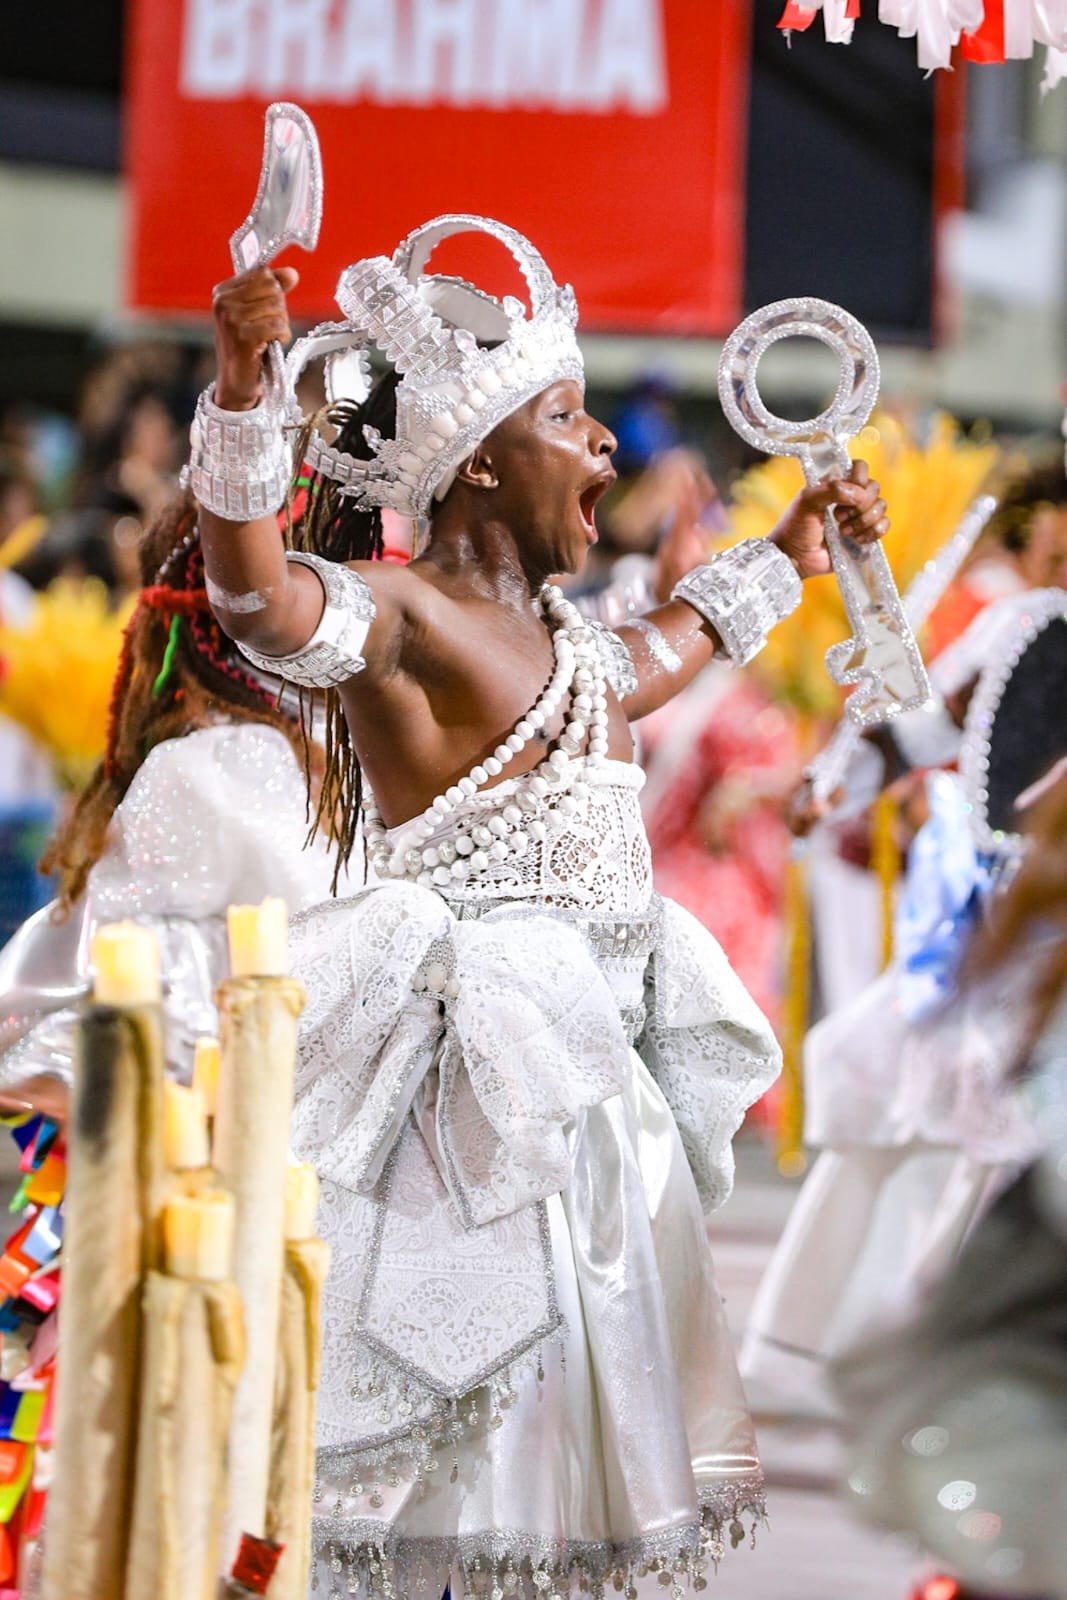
(594, 859)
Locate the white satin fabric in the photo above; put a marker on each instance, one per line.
(526, 1371)
(874, 1077)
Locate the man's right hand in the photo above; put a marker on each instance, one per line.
(803, 811)
(249, 312)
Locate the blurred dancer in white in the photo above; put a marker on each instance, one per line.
(960, 1418)
(906, 1100)
(200, 801)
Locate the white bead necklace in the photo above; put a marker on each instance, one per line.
(508, 830)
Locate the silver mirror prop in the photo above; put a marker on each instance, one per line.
(881, 659)
(287, 210)
(827, 772)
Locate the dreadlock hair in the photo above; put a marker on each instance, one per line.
(1041, 486)
(177, 672)
(330, 525)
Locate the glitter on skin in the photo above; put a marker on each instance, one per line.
(238, 604)
(658, 647)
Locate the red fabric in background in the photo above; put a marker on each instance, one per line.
(986, 43)
(640, 209)
(800, 17)
(796, 17)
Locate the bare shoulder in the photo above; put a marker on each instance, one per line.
(416, 620)
(405, 590)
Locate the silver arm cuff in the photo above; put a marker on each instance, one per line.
(240, 462)
(743, 592)
(332, 654)
(615, 655)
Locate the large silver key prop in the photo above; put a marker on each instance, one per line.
(287, 209)
(881, 659)
(829, 768)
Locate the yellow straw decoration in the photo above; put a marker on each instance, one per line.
(791, 1157)
(885, 864)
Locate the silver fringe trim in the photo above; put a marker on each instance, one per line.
(370, 1558)
(410, 1452)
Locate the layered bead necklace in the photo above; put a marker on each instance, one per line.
(494, 835)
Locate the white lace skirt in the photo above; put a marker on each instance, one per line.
(622, 1441)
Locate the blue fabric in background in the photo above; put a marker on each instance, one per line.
(947, 885)
(24, 832)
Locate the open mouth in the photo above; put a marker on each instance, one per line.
(587, 501)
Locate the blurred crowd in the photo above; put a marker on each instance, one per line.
(76, 496)
(76, 493)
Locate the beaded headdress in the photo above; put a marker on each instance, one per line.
(466, 360)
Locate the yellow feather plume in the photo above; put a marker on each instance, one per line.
(56, 672)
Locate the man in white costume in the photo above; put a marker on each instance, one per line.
(520, 1071)
(909, 1100)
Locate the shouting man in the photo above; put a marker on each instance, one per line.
(520, 1070)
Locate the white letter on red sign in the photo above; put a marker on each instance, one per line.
(296, 47)
(365, 62)
(628, 62)
(216, 54)
(443, 45)
(535, 53)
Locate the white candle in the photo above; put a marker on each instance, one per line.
(301, 1201)
(125, 963)
(206, 1072)
(198, 1235)
(185, 1141)
(258, 1036)
(259, 939)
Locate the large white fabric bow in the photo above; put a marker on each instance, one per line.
(510, 1010)
(707, 1044)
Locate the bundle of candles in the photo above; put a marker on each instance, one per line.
(184, 1414)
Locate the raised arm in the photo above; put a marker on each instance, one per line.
(259, 597)
(240, 470)
(727, 606)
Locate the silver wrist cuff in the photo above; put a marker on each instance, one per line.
(743, 593)
(240, 462)
(332, 654)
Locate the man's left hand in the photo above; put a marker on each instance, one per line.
(858, 509)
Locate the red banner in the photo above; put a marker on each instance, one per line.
(612, 132)
(986, 44)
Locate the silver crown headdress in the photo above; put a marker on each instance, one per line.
(453, 390)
